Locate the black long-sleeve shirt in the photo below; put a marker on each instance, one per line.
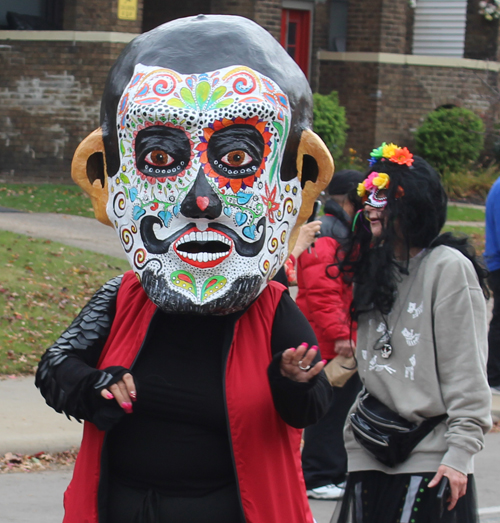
(177, 439)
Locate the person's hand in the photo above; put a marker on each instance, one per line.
(458, 483)
(307, 234)
(296, 363)
(344, 348)
(124, 392)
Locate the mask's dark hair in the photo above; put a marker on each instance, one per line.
(418, 214)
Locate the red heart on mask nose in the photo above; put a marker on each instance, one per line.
(202, 202)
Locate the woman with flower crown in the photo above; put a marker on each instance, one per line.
(419, 301)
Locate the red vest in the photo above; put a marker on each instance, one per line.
(266, 449)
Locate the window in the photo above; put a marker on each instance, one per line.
(337, 34)
(31, 14)
(295, 36)
(440, 27)
(25, 7)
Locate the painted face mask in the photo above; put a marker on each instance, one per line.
(373, 189)
(198, 202)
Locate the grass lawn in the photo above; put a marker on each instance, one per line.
(47, 197)
(476, 235)
(465, 214)
(43, 286)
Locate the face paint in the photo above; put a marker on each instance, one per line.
(198, 201)
(377, 198)
(373, 189)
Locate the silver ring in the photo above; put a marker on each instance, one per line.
(305, 369)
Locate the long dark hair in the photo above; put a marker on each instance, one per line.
(416, 206)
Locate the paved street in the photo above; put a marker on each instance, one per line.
(37, 497)
(33, 497)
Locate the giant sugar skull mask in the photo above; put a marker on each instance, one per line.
(198, 203)
(197, 199)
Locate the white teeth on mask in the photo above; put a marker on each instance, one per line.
(204, 236)
(203, 256)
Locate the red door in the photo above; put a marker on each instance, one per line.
(295, 36)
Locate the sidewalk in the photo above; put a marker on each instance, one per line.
(76, 231)
(28, 425)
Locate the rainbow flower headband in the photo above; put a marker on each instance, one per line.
(375, 182)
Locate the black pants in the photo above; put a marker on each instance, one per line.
(494, 332)
(324, 459)
(129, 505)
(375, 497)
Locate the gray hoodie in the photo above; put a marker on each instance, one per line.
(438, 332)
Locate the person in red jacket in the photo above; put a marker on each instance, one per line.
(324, 297)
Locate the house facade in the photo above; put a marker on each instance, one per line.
(392, 62)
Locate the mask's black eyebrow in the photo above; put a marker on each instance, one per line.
(236, 137)
(159, 136)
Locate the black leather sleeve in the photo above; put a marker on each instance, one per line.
(66, 375)
(298, 404)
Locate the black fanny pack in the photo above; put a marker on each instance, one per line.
(385, 434)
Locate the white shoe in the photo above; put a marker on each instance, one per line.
(330, 492)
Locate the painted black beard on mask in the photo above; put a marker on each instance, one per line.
(156, 246)
(241, 293)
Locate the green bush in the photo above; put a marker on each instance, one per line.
(450, 138)
(330, 122)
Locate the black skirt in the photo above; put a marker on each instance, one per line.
(375, 497)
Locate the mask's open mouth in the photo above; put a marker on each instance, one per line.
(203, 249)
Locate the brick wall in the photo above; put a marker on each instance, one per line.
(268, 15)
(99, 15)
(378, 26)
(363, 23)
(409, 93)
(393, 26)
(321, 26)
(49, 101)
(356, 84)
(387, 102)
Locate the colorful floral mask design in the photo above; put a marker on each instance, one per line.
(373, 188)
(198, 201)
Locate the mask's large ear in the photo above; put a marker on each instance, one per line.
(315, 170)
(88, 170)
